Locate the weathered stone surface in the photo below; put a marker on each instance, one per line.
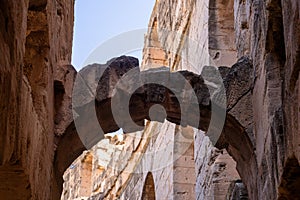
(238, 191)
(36, 41)
(64, 78)
(267, 33)
(261, 130)
(148, 94)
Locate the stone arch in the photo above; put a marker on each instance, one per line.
(235, 134)
(149, 188)
(224, 23)
(290, 180)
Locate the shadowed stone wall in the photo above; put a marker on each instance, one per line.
(36, 42)
(265, 34)
(261, 41)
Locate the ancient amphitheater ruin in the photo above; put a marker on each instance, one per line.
(230, 130)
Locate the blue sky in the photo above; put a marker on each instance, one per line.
(98, 21)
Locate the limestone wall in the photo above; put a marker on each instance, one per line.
(177, 32)
(36, 81)
(267, 32)
(188, 34)
(36, 41)
(183, 28)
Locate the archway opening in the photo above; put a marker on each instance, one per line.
(95, 24)
(149, 188)
(234, 143)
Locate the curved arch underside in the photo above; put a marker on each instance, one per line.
(199, 103)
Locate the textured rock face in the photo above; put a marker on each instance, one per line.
(36, 41)
(142, 90)
(268, 111)
(268, 32)
(261, 131)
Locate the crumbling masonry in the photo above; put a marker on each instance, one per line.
(254, 45)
